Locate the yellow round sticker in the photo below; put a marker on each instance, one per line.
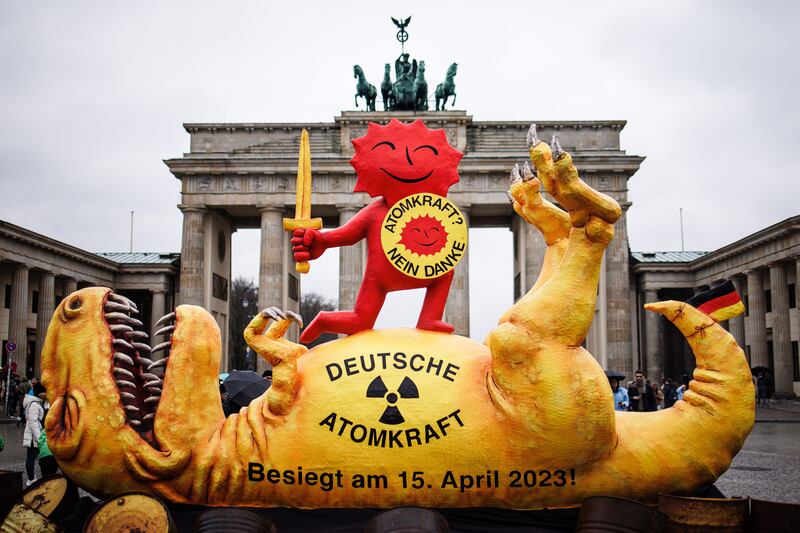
(424, 235)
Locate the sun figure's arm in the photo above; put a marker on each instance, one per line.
(308, 244)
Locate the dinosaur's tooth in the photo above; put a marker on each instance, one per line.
(149, 376)
(149, 416)
(155, 391)
(153, 399)
(131, 408)
(123, 300)
(120, 328)
(121, 357)
(162, 346)
(122, 343)
(154, 383)
(134, 422)
(166, 318)
(158, 364)
(122, 317)
(125, 383)
(134, 322)
(141, 347)
(127, 395)
(124, 373)
(143, 361)
(139, 335)
(164, 331)
(111, 307)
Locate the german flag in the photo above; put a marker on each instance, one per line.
(720, 302)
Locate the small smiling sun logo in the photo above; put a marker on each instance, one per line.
(423, 235)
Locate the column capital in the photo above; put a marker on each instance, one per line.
(270, 208)
(193, 208)
(354, 208)
(777, 264)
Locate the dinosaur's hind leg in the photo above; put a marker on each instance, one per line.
(541, 376)
(561, 306)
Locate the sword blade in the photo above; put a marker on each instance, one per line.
(301, 177)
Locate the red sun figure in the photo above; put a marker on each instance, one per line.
(424, 235)
(392, 162)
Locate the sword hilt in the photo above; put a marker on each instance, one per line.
(291, 224)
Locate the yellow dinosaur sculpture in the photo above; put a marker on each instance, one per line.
(397, 417)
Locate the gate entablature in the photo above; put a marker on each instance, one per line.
(242, 175)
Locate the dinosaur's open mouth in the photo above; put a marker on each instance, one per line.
(138, 377)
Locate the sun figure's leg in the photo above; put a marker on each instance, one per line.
(368, 305)
(430, 318)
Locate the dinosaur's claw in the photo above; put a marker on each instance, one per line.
(533, 139)
(555, 148)
(274, 313)
(527, 173)
(294, 317)
(515, 175)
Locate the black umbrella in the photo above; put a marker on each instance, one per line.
(614, 374)
(244, 386)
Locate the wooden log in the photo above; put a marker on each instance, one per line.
(133, 511)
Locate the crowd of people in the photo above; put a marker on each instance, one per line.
(644, 396)
(27, 403)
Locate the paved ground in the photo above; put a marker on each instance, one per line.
(768, 467)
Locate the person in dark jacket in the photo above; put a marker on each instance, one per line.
(670, 393)
(641, 395)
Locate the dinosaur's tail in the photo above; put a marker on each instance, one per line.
(715, 416)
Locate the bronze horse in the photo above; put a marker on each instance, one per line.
(364, 88)
(447, 88)
(386, 88)
(421, 89)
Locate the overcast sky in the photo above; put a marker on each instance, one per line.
(93, 95)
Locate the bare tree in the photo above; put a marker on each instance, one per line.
(311, 304)
(243, 307)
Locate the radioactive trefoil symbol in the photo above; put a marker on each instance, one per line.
(391, 415)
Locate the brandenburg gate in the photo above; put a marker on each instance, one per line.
(243, 176)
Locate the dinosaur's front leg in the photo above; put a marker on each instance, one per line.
(267, 341)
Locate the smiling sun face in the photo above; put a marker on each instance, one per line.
(424, 235)
(399, 159)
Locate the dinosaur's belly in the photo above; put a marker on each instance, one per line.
(406, 411)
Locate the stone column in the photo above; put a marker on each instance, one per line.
(758, 320)
(457, 309)
(351, 268)
(192, 253)
(70, 286)
(270, 272)
(535, 247)
(18, 316)
(736, 324)
(157, 309)
(617, 297)
(781, 337)
(652, 332)
(47, 298)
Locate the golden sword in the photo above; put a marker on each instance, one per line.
(302, 211)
